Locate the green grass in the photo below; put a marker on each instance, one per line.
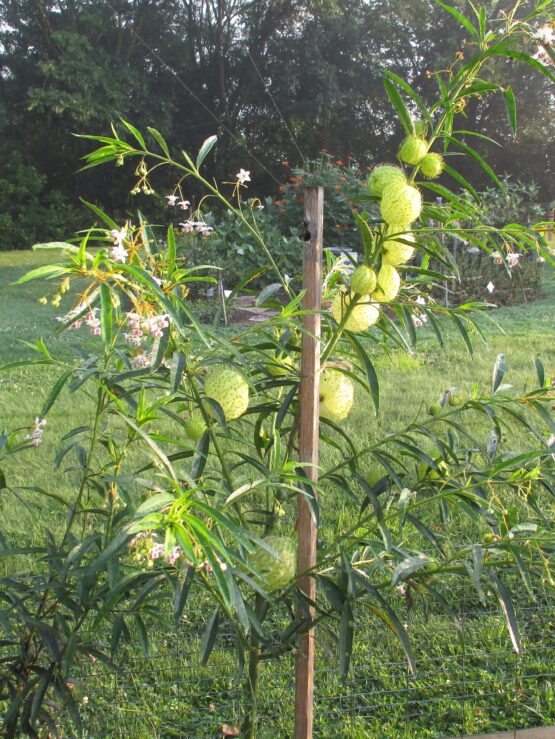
(377, 701)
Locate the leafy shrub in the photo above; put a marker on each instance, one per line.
(507, 284)
(28, 211)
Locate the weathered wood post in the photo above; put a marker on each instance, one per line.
(309, 408)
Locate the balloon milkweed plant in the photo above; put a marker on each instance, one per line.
(187, 464)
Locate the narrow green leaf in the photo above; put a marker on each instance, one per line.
(397, 101)
(400, 82)
(508, 609)
(56, 389)
(460, 17)
(171, 251)
(46, 272)
(540, 371)
(135, 133)
(409, 566)
(159, 140)
(510, 105)
(371, 374)
(499, 369)
(205, 149)
(106, 315)
(101, 214)
(346, 633)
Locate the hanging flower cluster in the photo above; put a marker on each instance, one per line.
(141, 327)
(35, 437)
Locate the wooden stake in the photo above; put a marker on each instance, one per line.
(309, 409)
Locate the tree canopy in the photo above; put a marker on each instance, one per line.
(275, 80)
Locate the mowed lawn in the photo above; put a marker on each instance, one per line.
(407, 381)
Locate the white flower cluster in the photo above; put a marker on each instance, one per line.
(35, 437)
(419, 319)
(118, 252)
(144, 359)
(141, 327)
(513, 258)
(545, 37)
(174, 200)
(196, 226)
(148, 548)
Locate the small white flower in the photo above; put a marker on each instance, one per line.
(119, 253)
(118, 237)
(496, 256)
(35, 437)
(513, 259)
(172, 199)
(243, 176)
(421, 300)
(545, 35)
(187, 227)
(417, 321)
(184, 204)
(490, 287)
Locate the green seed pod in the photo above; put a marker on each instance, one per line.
(401, 204)
(413, 149)
(389, 284)
(363, 280)
(336, 394)
(275, 571)
(432, 165)
(383, 175)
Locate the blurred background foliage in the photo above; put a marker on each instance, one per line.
(196, 68)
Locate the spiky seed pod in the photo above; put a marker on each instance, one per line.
(363, 280)
(383, 175)
(336, 394)
(431, 165)
(195, 427)
(275, 572)
(401, 204)
(226, 386)
(362, 316)
(389, 284)
(413, 149)
(395, 250)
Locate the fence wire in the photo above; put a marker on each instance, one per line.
(469, 681)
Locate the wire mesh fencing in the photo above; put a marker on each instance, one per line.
(469, 681)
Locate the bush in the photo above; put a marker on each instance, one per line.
(29, 212)
(517, 284)
(512, 276)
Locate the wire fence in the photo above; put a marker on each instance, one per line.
(469, 681)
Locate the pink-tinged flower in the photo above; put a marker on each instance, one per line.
(118, 237)
(174, 555)
(143, 359)
(187, 227)
(243, 176)
(513, 259)
(184, 204)
(497, 258)
(490, 287)
(119, 254)
(157, 551)
(172, 199)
